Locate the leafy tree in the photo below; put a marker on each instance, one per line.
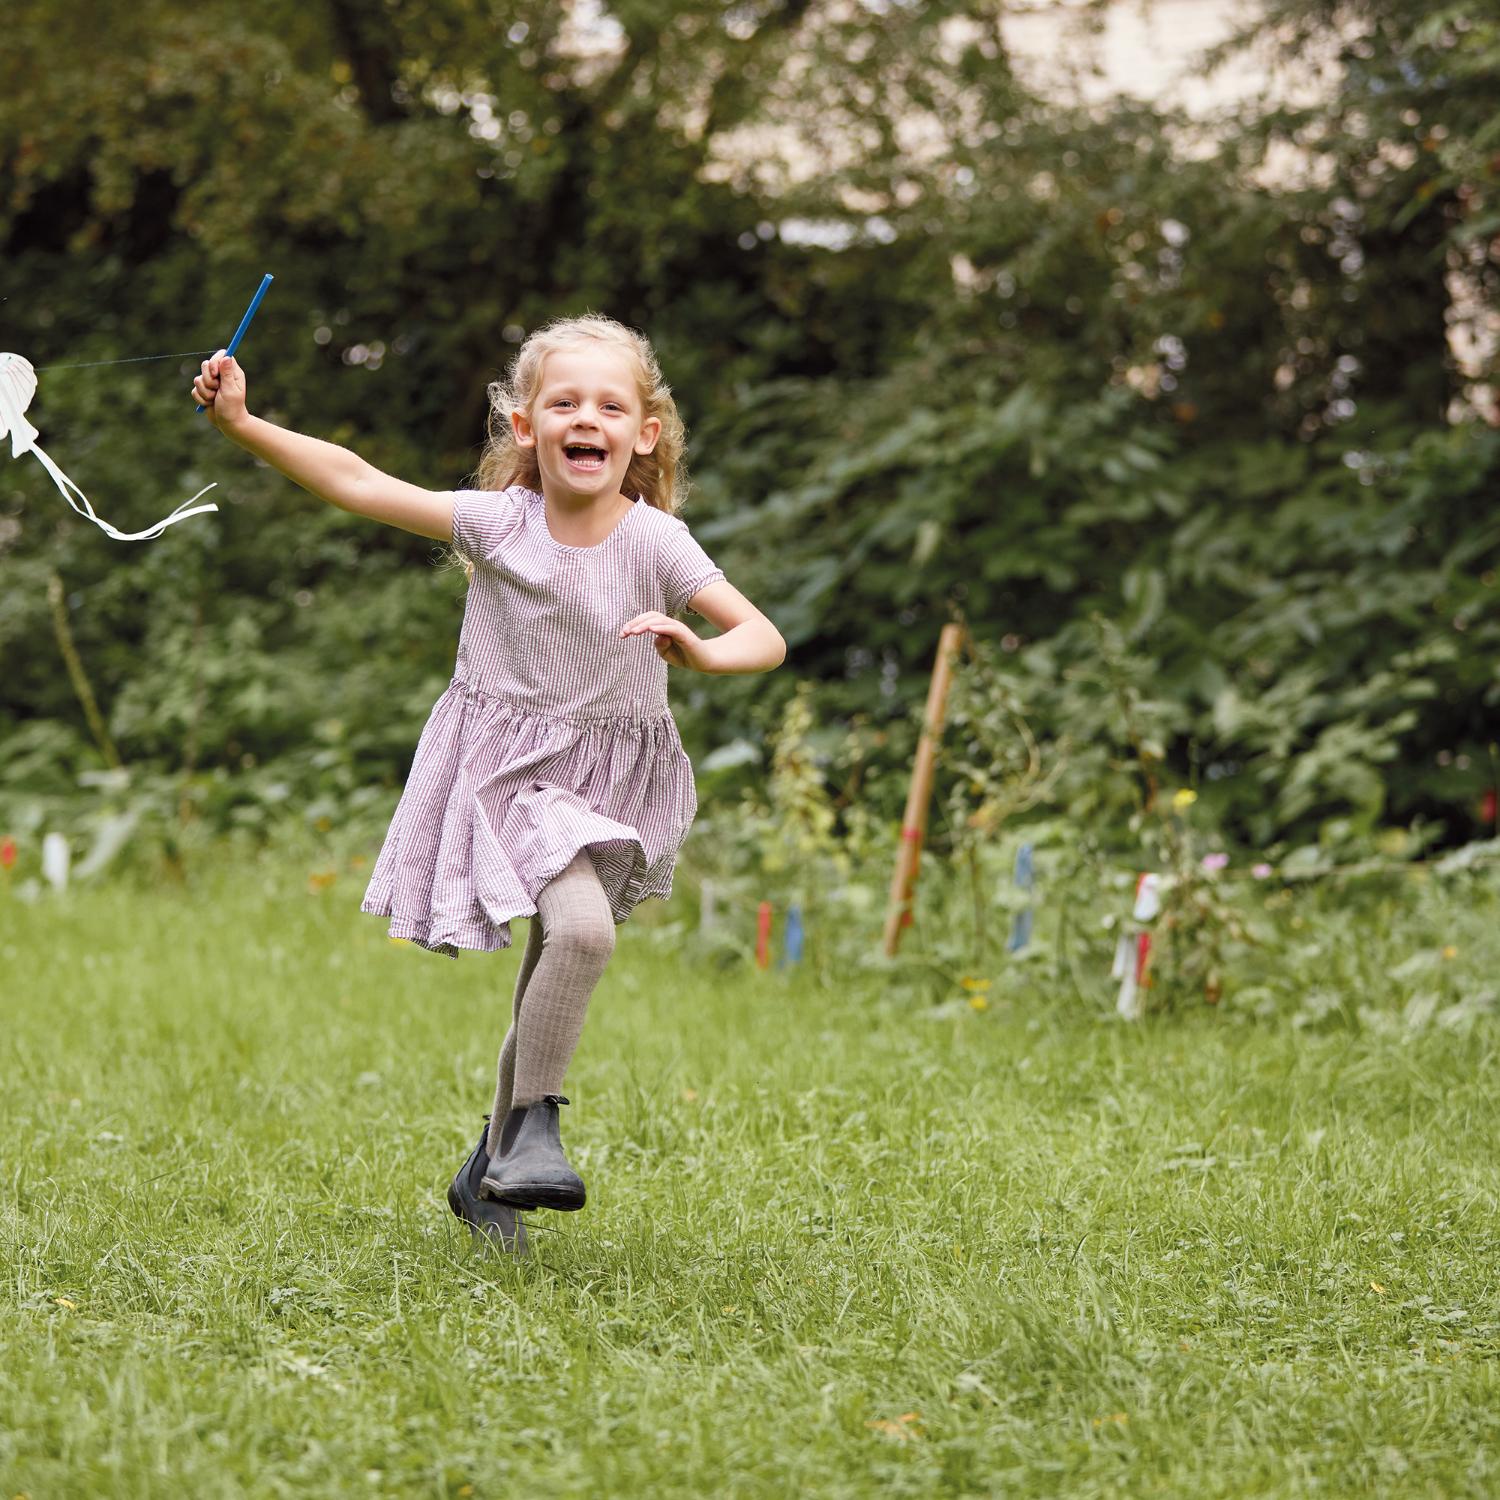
(943, 347)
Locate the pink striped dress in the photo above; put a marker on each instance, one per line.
(553, 736)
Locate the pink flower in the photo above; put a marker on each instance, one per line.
(1214, 861)
(7, 852)
(1260, 871)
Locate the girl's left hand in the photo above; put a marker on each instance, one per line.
(677, 645)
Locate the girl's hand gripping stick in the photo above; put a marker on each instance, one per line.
(239, 332)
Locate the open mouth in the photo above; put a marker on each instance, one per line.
(583, 456)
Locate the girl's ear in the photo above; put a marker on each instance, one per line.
(650, 431)
(520, 426)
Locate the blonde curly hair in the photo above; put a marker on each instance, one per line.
(659, 478)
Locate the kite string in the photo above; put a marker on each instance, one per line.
(95, 363)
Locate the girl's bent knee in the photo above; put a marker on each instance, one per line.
(587, 942)
(595, 943)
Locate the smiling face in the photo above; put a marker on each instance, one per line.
(586, 423)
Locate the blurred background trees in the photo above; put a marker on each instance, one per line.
(945, 345)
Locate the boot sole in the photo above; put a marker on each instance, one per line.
(536, 1195)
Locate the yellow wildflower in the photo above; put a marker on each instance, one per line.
(1183, 798)
(907, 1426)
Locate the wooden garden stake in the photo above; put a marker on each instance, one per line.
(914, 823)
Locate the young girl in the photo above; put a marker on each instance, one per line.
(550, 780)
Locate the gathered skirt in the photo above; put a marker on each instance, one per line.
(501, 798)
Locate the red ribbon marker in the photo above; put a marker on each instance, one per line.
(763, 935)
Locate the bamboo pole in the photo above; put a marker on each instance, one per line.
(74, 663)
(914, 823)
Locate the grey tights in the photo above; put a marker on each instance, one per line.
(569, 943)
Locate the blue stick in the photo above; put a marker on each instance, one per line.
(239, 332)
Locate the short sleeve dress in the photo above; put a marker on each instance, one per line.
(553, 736)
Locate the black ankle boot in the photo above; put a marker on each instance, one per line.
(531, 1170)
(498, 1223)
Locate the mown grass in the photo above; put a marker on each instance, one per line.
(833, 1247)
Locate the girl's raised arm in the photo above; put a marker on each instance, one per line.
(324, 469)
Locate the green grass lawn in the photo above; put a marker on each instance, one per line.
(833, 1247)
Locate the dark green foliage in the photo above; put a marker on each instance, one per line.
(1062, 367)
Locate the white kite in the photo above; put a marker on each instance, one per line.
(17, 387)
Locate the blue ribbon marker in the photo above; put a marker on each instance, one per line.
(239, 332)
(1025, 878)
(792, 940)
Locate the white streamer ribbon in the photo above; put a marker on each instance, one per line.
(17, 387)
